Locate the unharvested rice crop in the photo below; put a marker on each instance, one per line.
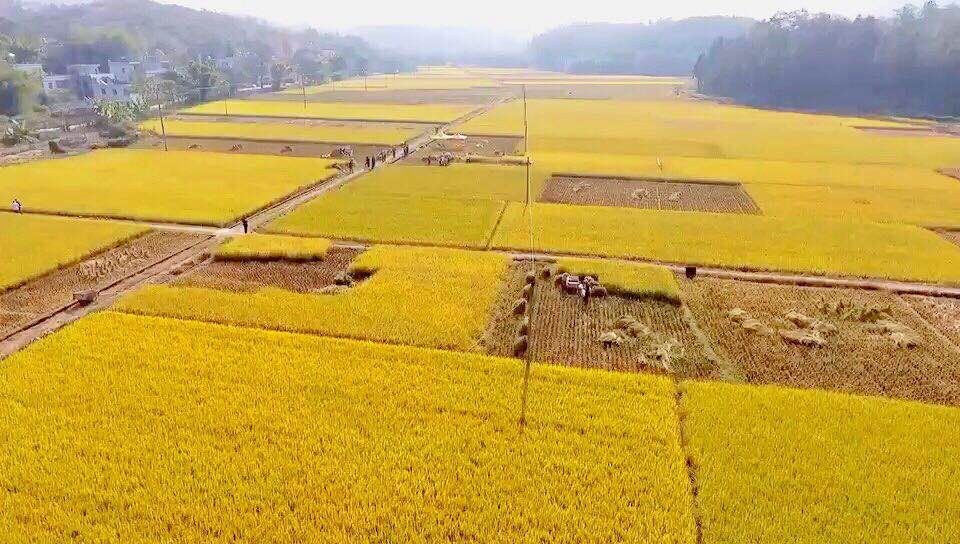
(781, 465)
(286, 132)
(456, 181)
(856, 341)
(419, 296)
(164, 430)
(630, 279)
(178, 186)
(795, 244)
(269, 247)
(883, 193)
(698, 129)
(343, 215)
(331, 110)
(31, 246)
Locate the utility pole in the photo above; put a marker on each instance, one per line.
(528, 362)
(525, 134)
(303, 91)
(163, 128)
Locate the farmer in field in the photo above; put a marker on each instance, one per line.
(16, 206)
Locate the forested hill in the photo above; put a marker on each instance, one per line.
(661, 48)
(909, 64)
(112, 28)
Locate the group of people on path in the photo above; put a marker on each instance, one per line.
(397, 152)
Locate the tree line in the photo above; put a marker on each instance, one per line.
(907, 64)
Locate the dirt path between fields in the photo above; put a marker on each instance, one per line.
(186, 259)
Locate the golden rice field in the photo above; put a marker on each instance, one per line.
(165, 430)
(256, 246)
(796, 244)
(418, 296)
(782, 465)
(176, 186)
(393, 83)
(32, 245)
(432, 113)
(439, 221)
(457, 181)
(286, 132)
(684, 128)
(624, 278)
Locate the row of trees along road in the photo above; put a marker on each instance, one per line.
(908, 64)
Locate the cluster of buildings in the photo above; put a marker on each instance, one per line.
(83, 81)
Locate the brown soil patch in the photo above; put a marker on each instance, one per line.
(912, 132)
(227, 145)
(41, 296)
(476, 146)
(952, 172)
(398, 96)
(566, 331)
(245, 276)
(598, 92)
(338, 123)
(942, 313)
(756, 327)
(951, 236)
(655, 195)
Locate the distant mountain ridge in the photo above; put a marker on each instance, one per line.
(662, 48)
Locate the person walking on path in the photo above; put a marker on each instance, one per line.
(246, 226)
(367, 162)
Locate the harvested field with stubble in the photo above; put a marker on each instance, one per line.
(942, 313)
(652, 333)
(488, 147)
(862, 342)
(251, 275)
(47, 293)
(649, 194)
(246, 147)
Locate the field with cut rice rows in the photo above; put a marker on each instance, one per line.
(381, 360)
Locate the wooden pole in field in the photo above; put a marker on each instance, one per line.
(528, 363)
(303, 91)
(163, 128)
(524, 119)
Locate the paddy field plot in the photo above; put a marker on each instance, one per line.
(285, 132)
(190, 187)
(419, 296)
(818, 246)
(683, 128)
(314, 150)
(397, 96)
(396, 219)
(332, 110)
(456, 181)
(649, 332)
(782, 465)
(34, 245)
(942, 313)
(47, 293)
(214, 433)
(863, 342)
(649, 194)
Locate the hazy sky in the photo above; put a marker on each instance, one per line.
(525, 16)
